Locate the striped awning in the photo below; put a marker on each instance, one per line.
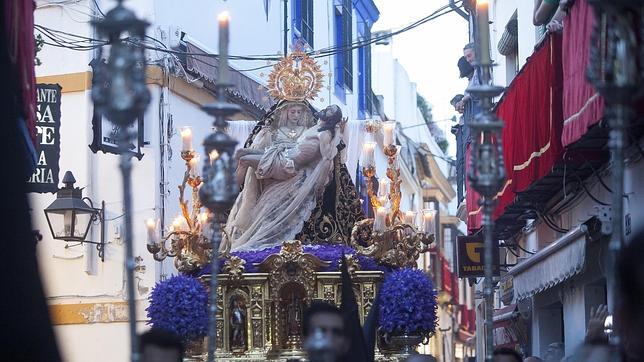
(552, 265)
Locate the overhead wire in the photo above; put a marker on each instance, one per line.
(324, 52)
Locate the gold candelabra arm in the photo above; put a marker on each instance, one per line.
(393, 173)
(363, 240)
(369, 172)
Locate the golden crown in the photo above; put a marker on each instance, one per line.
(295, 78)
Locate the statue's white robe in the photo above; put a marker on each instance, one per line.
(280, 195)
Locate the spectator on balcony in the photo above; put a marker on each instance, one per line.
(550, 13)
(469, 105)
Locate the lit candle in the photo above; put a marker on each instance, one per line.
(203, 218)
(484, 31)
(410, 218)
(428, 221)
(379, 223)
(368, 152)
(194, 166)
(388, 133)
(214, 155)
(383, 187)
(186, 137)
(224, 19)
(151, 225)
(176, 223)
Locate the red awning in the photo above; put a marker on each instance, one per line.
(19, 27)
(532, 111)
(582, 105)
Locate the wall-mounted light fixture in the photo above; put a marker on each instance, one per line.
(69, 216)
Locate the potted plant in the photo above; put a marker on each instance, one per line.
(180, 305)
(407, 308)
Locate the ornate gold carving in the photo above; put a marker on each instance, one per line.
(398, 246)
(295, 78)
(353, 264)
(372, 126)
(328, 293)
(234, 266)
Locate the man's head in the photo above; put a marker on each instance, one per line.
(533, 359)
(554, 352)
(465, 69)
(469, 52)
(457, 98)
(504, 354)
(325, 320)
(157, 345)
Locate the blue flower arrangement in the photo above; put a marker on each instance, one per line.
(407, 303)
(327, 252)
(179, 305)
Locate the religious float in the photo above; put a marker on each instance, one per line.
(297, 215)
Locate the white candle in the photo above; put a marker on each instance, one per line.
(203, 217)
(428, 221)
(186, 137)
(388, 129)
(383, 187)
(151, 225)
(194, 166)
(484, 31)
(176, 223)
(379, 222)
(368, 149)
(410, 218)
(224, 19)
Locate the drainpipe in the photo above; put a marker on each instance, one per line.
(458, 10)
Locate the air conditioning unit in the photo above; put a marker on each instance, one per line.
(175, 36)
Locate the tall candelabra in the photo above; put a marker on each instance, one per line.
(219, 188)
(613, 70)
(487, 170)
(120, 92)
(188, 238)
(391, 237)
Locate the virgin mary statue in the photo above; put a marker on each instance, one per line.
(294, 183)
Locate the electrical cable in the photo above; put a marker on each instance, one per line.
(524, 250)
(98, 8)
(325, 52)
(589, 194)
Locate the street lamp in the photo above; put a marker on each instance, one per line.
(69, 216)
(119, 90)
(487, 169)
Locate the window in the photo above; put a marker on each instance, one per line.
(364, 73)
(303, 21)
(343, 40)
(347, 39)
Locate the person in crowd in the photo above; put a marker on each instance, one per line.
(157, 345)
(533, 359)
(465, 69)
(469, 53)
(505, 354)
(555, 352)
(629, 312)
(421, 358)
(324, 334)
(550, 13)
